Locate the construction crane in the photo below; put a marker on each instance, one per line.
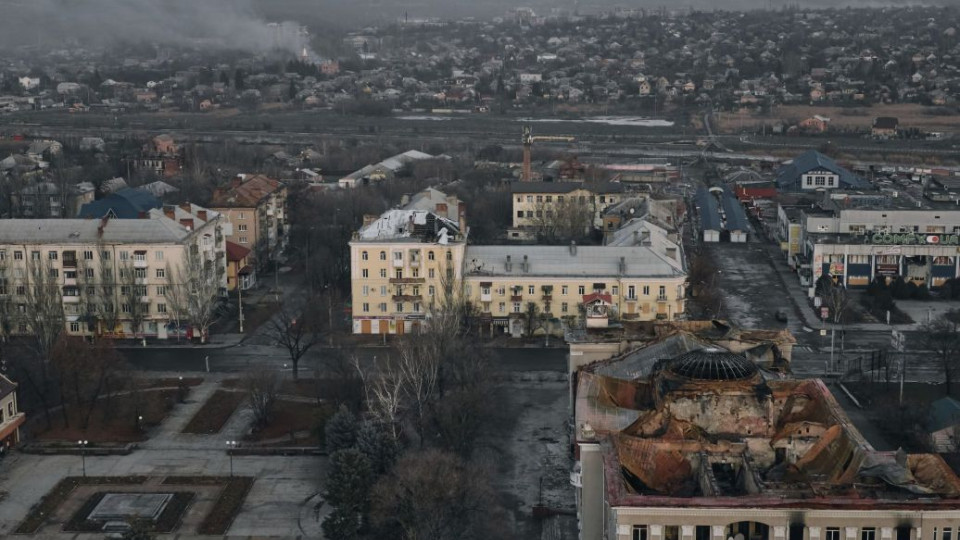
(528, 139)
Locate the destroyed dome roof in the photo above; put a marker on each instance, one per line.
(712, 364)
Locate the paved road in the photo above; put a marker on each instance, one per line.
(245, 357)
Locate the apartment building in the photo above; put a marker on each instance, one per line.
(640, 282)
(111, 277)
(538, 204)
(401, 263)
(256, 207)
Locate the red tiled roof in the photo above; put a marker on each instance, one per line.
(236, 252)
(246, 193)
(587, 298)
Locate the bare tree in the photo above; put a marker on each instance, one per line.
(262, 388)
(8, 314)
(561, 221)
(296, 334)
(435, 495)
(419, 370)
(193, 290)
(43, 309)
(384, 390)
(942, 338)
(533, 317)
(132, 292)
(87, 371)
(108, 307)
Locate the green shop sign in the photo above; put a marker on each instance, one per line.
(912, 239)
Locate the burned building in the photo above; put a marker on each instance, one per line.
(711, 445)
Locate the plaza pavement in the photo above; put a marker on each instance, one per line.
(280, 504)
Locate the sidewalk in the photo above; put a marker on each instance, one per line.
(802, 304)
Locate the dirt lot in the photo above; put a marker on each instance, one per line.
(910, 115)
(537, 449)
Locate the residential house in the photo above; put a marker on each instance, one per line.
(256, 207)
(885, 127)
(127, 203)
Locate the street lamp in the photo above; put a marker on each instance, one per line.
(83, 455)
(139, 422)
(231, 445)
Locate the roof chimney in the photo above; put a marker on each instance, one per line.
(188, 223)
(202, 214)
(509, 264)
(623, 265)
(169, 212)
(645, 238)
(573, 247)
(186, 207)
(526, 265)
(672, 252)
(369, 218)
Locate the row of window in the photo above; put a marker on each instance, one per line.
(398, 255)
(560, 198)
(416, 307)
(71, 256)
(702, 532)
(88, 273)
(74, 291)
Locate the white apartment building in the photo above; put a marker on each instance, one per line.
(112, 278)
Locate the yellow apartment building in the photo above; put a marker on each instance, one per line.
(536, 204)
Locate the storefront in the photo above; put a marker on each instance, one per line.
(931, 261)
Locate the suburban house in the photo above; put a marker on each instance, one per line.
(885, 127)
(256, 207)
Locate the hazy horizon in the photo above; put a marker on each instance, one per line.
(242, 24)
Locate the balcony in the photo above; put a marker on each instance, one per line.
(71, 299)
(70, 281)
(486, 297)
(414, 263)
(144, 299)
(407, 298)
(547, 298)
(140, 281)
(516, 298)
(398, 263)
(139, 264)
(407, 280)
(69, 263)
(662, 298)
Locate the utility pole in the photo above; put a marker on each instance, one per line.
(240, 300)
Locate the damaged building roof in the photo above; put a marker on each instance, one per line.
(710, 428)
(401, 224)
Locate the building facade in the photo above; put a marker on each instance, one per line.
(502, 282)
(256, 208)
(711, 445)
(10, 416)
(106, 277)
(538, 203)
(402, 263)
(416, 257)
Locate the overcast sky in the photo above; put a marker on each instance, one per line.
(242, 23)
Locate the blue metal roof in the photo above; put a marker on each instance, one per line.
(736, 216)
(788, 179)
(127, 203)
(707, 207)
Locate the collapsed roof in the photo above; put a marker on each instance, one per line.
(711, 427)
